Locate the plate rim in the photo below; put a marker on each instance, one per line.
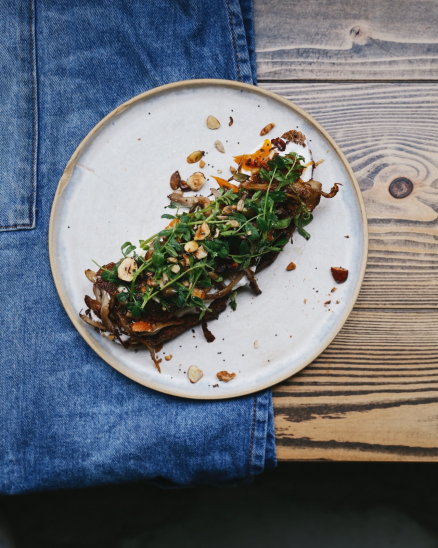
(65, 178)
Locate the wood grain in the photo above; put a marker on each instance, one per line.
(346, 40)
(372, 395)
(387, 131)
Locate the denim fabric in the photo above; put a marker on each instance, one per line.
(67, 418)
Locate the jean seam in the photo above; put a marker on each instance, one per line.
(32, 44)
(252, 435)
(234, 41)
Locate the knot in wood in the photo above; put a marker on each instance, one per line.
(356, 32)
(401, 187)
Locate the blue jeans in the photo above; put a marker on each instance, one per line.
(67, 418)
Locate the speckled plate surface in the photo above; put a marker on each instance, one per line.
(115, 187)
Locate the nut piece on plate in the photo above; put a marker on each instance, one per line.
(201, 253)
(194, 374)
(219, 146)
(233, 170)
(225, 376)
(202, 232)
(291, 266)
(200, 293)
(196, 181)
(339, 274)
(191, 246)
(195, 156)
(175, 180)
(212, 122)
(201, 164)
(126, 269)
(267, 129)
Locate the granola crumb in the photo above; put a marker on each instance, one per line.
(334, 289)
(168, 357)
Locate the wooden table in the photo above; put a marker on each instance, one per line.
(368, 72)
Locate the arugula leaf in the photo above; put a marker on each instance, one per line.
(283, 223)
(264, 174)
(157, 258)
(127, 247)
(252, 232)
(262, 224)
(108, 276)
(243, 248)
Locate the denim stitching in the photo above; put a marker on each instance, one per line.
(234, 41)
(252, 436)
(32, 49)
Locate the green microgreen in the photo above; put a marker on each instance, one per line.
(233, 244)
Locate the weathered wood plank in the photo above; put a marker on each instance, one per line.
(346, 40)
(387, 131)
(372, 395)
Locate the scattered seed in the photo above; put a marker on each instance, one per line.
(339, 274)
(195, 156)
(219, 146)
(212, 122)
(168, 357)
(202, 232)
(201, 164)
(231, 121)
(267, 129)
(191, 247)
(201, 253)
(196, 181)
(175, 180)
(233, 224)
(126, 268)
(334, 289)
(194, 374)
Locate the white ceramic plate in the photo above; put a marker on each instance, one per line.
(115, 187)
